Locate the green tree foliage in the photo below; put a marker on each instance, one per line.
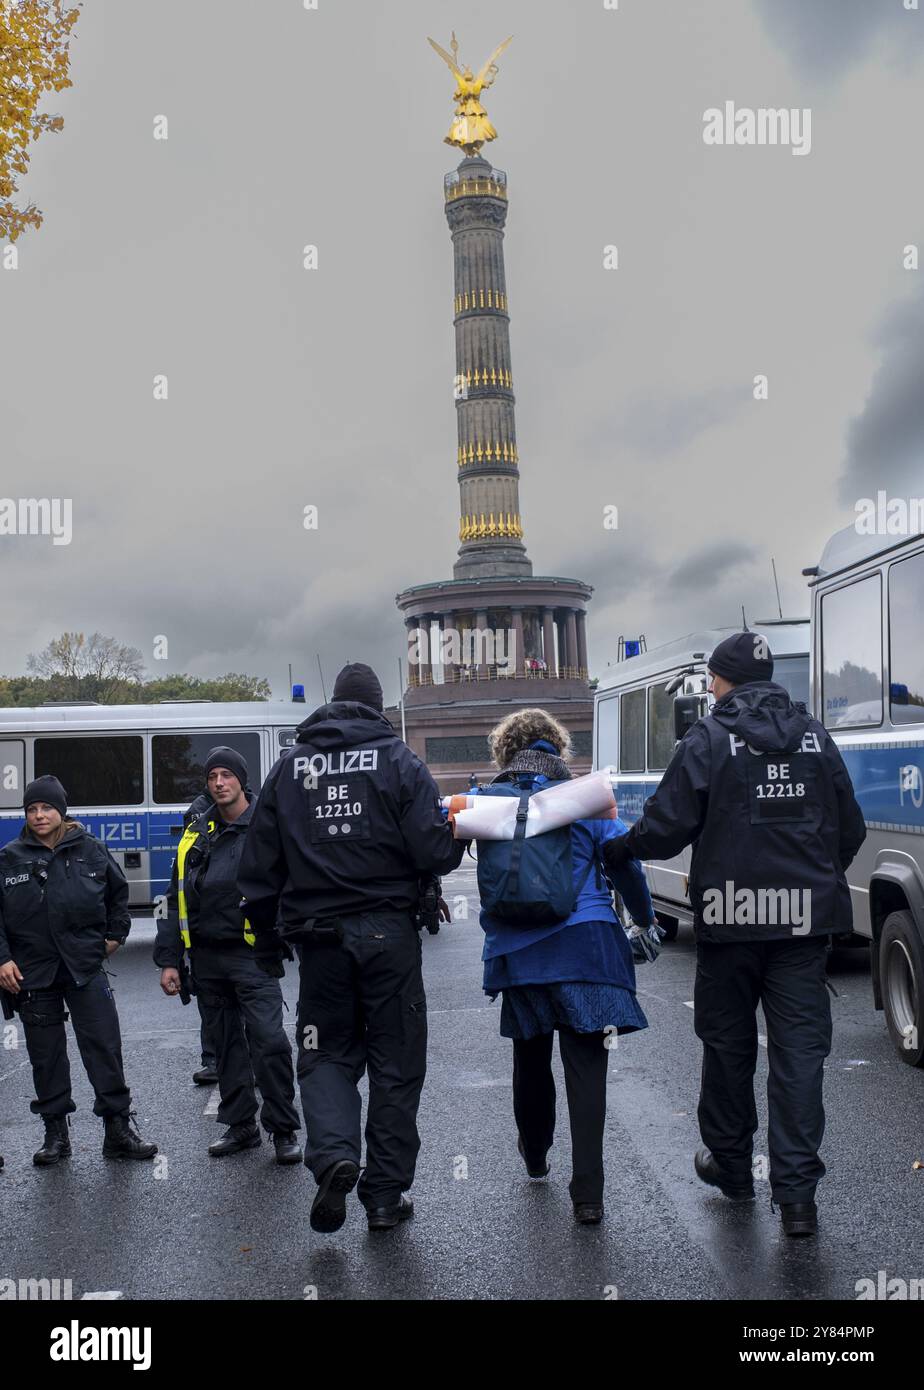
(103, 670)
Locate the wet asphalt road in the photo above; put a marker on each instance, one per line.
(192, 1227)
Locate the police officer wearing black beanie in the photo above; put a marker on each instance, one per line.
(760, 790)
(236, 977)
(346, 824)
(63, 912)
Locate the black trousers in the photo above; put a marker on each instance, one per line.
(231, 990)
(788, 978)
(96, 1027)
(362, 1006)
(584, 1058)
(206, 1042)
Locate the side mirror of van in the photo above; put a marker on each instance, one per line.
(688, 710)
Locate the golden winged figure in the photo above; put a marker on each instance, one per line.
(471, 128)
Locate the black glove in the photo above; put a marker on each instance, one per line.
(269, 953)
(270, 962)
(616, 853)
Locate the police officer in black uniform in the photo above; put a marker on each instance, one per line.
(206, 1073)
(346, 824)
(236, 978)
(63, 911)
(760, 790)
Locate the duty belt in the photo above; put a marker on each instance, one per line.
(321, 929)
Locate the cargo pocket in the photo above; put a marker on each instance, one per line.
(413, 1050)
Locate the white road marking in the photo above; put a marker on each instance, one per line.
(111, 1294)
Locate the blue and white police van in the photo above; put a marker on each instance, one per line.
(131, 771)
(858, 665)
(868, 690)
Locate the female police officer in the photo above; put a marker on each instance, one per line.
(63, 911)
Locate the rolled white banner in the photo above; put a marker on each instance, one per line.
(476, 817)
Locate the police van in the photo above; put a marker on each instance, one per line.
(640, 707)
(858, 665)
(131, 771)
(868, 691)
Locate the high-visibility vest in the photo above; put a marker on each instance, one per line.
(190, 836)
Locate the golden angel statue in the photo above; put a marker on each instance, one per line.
(471, 128)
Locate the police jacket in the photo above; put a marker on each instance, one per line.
(60, 904)
(761, 791)
(203, 902)
(346, 822)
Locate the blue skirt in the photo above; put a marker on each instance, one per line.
(528, 1010)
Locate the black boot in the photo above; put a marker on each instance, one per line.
(535, 1168)
(328, 1210)
(588, 1213)
(708, 1171)
(206, 1075)
(57, 1143)
(386, 1218)
(288, 1149)
(799, 1218)
(123, 1140)
(235, 1139)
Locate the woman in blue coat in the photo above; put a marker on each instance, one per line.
(576, 977)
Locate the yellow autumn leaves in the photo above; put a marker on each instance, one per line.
(34, 59)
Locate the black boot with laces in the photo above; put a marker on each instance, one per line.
(57, 1144)
(123, 1140)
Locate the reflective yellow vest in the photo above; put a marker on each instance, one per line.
(190, 836)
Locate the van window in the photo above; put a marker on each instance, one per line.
(660, 726)
(792, 673)
(632, 731)
(906, 664)
(851, 655)
(95, 770)
(12, 773)
(179, 763)
(607, 731)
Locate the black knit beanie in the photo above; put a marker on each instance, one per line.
(49, 790)
(743, 657)
(360, 683)
(227, 757)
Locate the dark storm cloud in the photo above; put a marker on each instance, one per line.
(885, 442)
(828, 36)
(707, 568)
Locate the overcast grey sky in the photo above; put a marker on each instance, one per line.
(333, 387)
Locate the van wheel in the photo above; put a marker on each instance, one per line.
(901, 964)
(669, 925)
